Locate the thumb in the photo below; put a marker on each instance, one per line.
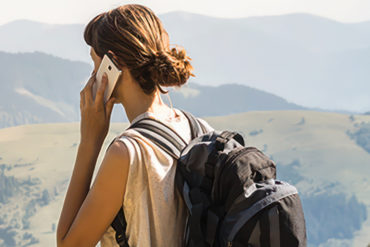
(109, 106)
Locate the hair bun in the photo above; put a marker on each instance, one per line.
(171, 68)
(161, 61)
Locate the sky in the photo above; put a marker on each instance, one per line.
(81, 11)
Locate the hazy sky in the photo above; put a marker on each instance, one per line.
(81, 11)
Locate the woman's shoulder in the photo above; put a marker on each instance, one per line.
(124, 144)
(118, 150)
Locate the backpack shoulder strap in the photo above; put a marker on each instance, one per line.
(165, 137)
(162, 135)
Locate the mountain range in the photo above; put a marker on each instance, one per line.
(42, 88)
(308, 60)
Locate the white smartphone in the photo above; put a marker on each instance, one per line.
(109, 66)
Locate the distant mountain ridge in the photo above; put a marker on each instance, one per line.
(41, 88)
(227, 99)
(306, 59)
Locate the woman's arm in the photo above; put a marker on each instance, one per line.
(86, 212)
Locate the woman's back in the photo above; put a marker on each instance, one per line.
(154, 210)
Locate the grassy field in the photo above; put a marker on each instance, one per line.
(38, 160)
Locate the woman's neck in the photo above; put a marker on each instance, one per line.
(135, 101)
(138, 104)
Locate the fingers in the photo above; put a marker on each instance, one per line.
(109, 107)
(89, 89)
(86, 92)
(101, 90)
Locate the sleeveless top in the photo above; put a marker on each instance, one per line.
(154, 210)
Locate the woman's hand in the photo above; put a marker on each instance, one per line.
(95, 114)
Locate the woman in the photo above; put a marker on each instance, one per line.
(134, 173)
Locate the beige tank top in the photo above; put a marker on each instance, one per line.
(154, 210)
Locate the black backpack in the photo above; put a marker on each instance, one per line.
(231, 191)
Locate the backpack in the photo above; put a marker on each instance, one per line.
(230, 190)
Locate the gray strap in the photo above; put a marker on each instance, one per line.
(243, 216)
(163, 129)
(274, 227)
(162, 142)
(162, 135)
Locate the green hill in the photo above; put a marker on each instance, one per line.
(316, 151)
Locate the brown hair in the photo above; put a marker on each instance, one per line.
(137, 38)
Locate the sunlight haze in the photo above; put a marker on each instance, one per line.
(70, 11)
